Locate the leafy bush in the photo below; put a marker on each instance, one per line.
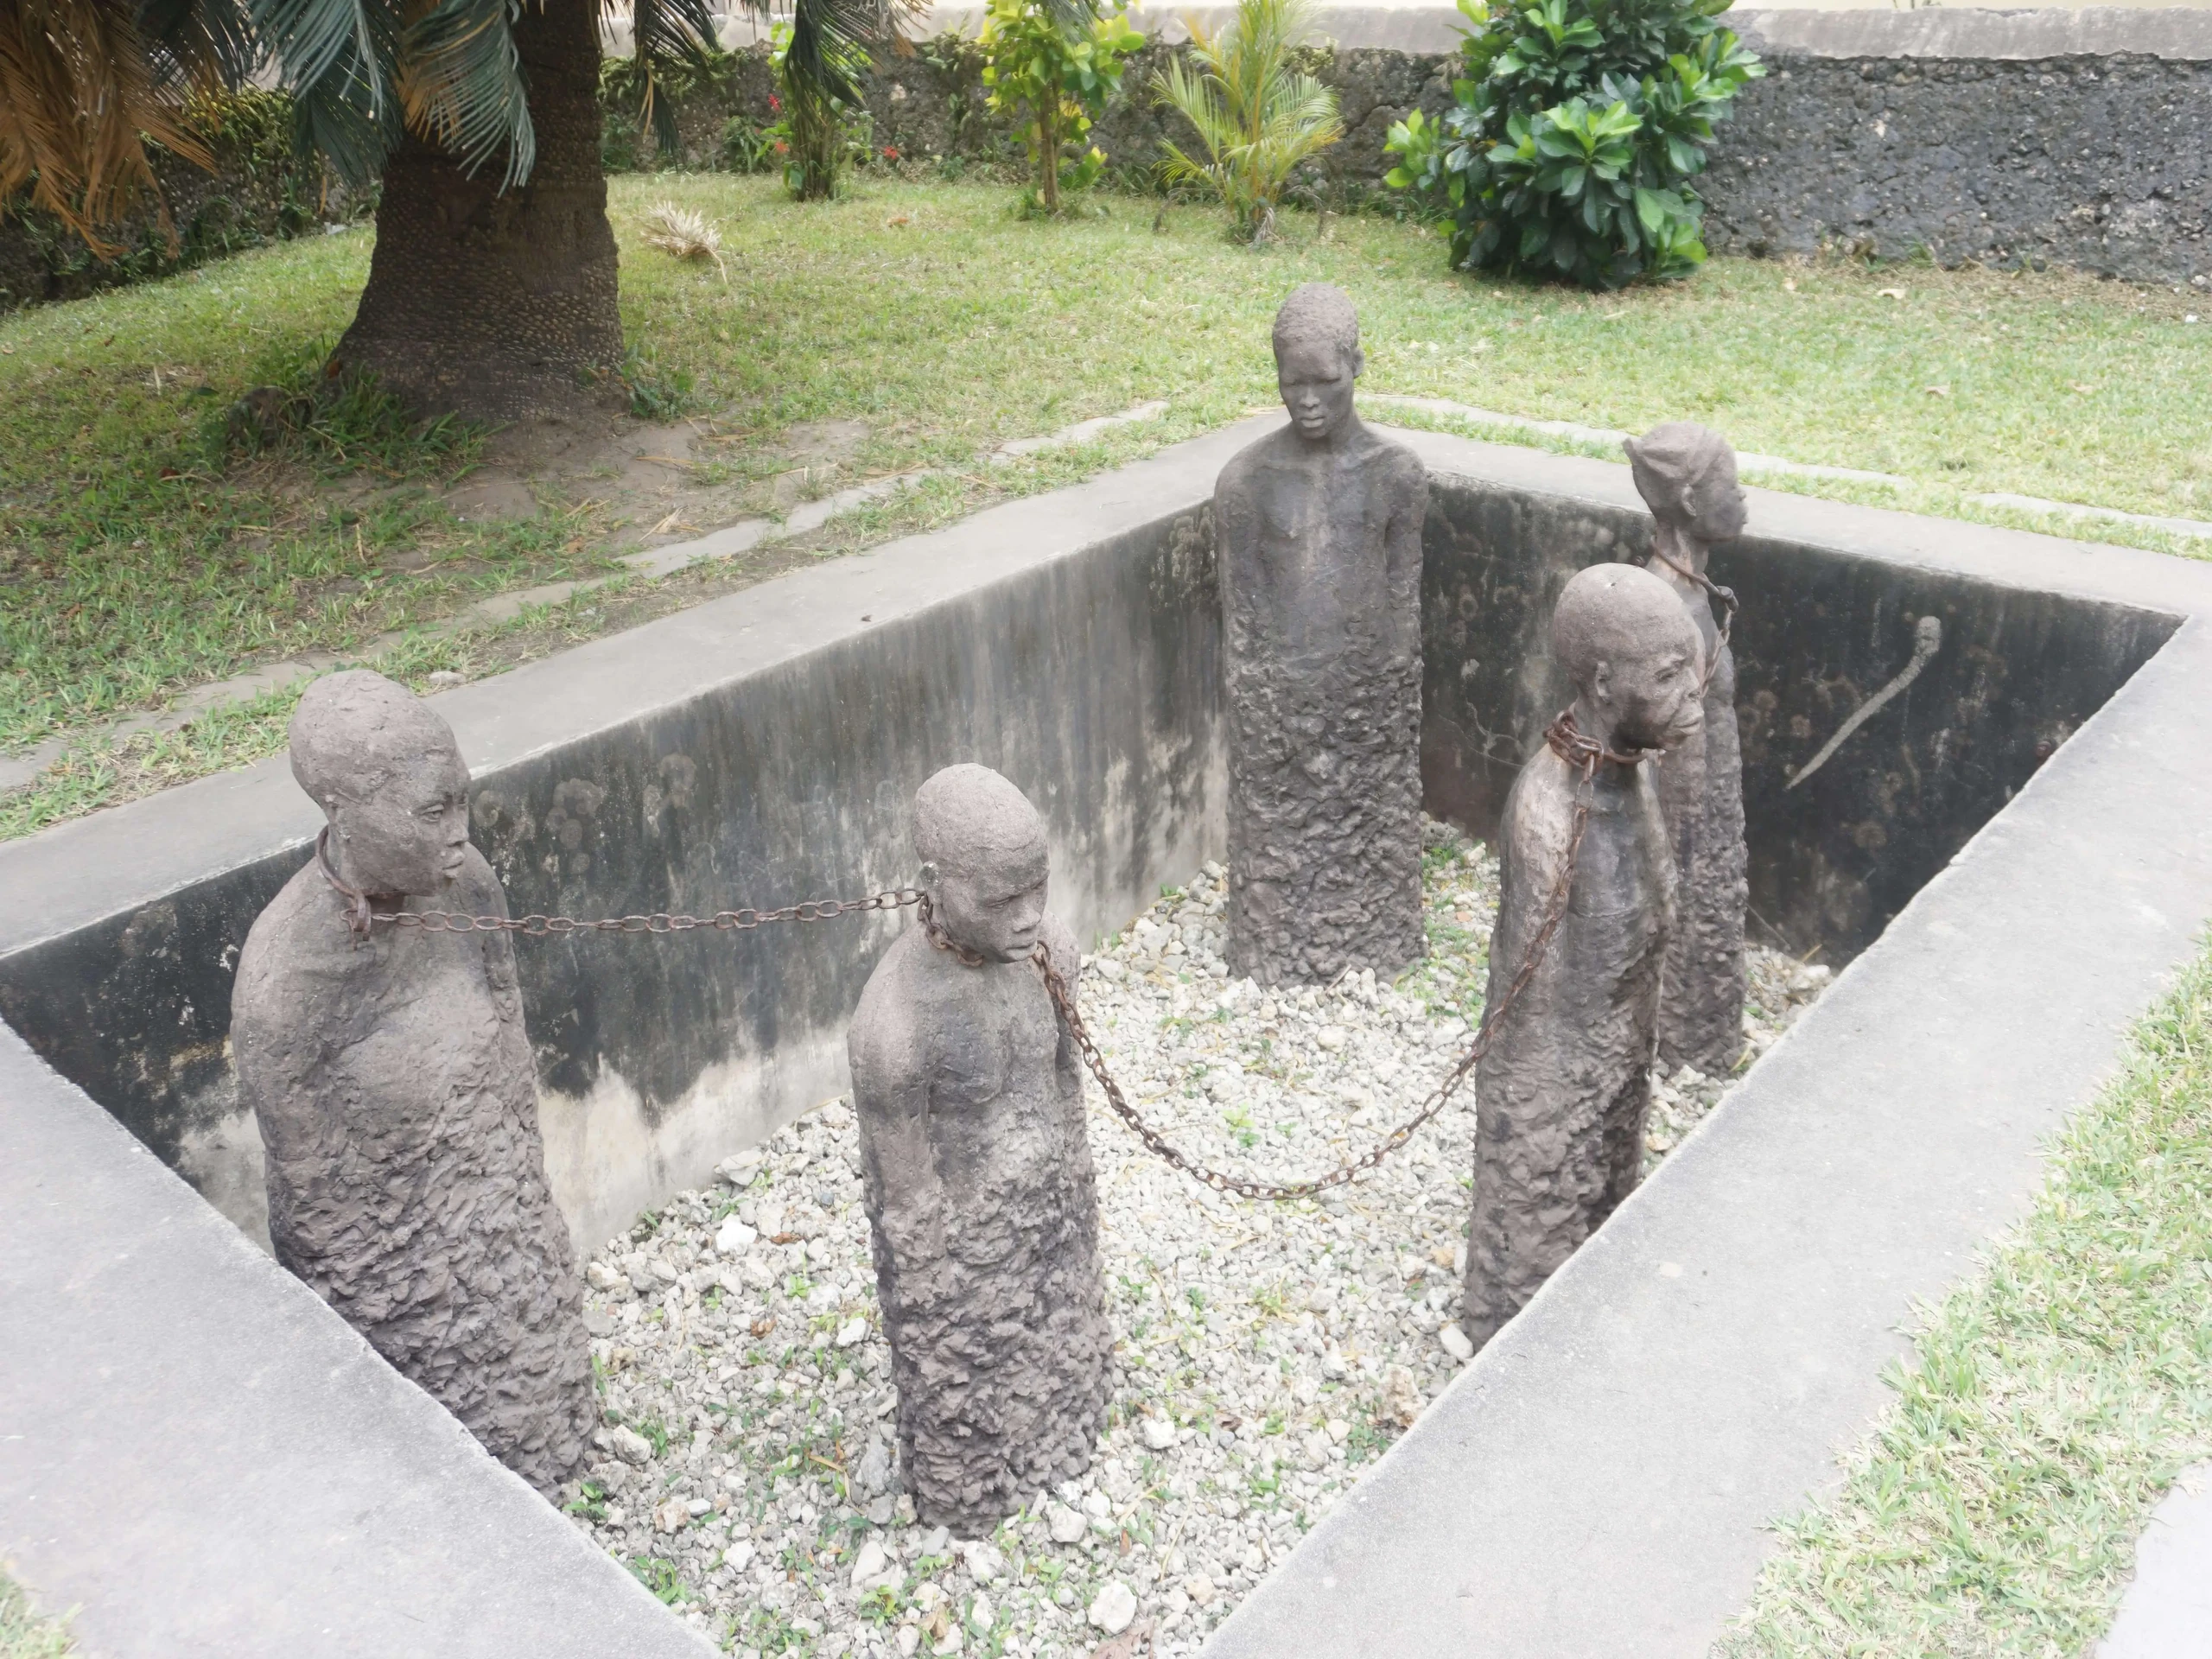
(1257, 115)
(1053, 81)
(1576, 128)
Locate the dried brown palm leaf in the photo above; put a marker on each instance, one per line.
(79, 100)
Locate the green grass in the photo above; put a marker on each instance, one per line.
(137, 560)
(24, 1634)
(2051, 1401)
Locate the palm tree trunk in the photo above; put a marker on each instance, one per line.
(492, 305)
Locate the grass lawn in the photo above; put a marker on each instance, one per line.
(2051, 1400)
(137, 559)
(23, 1635)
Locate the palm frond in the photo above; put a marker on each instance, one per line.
(79, 94)
(207, 43)
(664, 33)
(459, 81)
(338, 59)
(1257, 117)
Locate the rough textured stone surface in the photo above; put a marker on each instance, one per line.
(1560, 1097)
(1686, 475)
(981, 1202)
(1319, 527)
(396, 1093)
(2073, 138)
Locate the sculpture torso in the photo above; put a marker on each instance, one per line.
(396, 1097)
(1701, 792)
(1561, 1095)
(985, 1213)
(1321, 573)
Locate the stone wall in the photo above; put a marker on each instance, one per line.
(2075, 139)
(2078, 138)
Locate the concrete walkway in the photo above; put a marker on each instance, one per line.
(2167, 1612)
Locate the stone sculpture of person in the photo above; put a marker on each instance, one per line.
(981, 1198)
(397, 1093)
(1318, 526)
(1686, 475)
(1562, 1092)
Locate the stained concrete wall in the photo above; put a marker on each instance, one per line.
(756, 750)
(1086, 666)
(1070, 640)
(1822, 630)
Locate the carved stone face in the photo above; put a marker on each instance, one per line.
(1713, 507)
(1653, 696)
(1317, 379)
(996, 908)
(407, 836)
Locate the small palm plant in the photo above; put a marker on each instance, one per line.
(1257, 117)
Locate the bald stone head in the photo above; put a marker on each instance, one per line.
(1686, 475)
(1317, 360)
(1634, 655)
(983, 858)
(388, 777)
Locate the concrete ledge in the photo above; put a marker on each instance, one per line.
(324, 1507)
(1599, 1480)
(2177, 33)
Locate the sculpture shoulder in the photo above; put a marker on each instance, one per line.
(1537, 820)
(1260, 455)
(301, 931)
(884, 1041)
(1405, 467)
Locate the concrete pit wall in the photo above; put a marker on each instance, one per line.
(1087, 672)
(1820, 630)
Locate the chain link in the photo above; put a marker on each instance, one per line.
(1580, 752)
(1728, 598)
(360, 916)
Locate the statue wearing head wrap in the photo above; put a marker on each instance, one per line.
(1319, 526)
(397, 1095)
(1686, 475)
(1561, 1093)
(981, 1199)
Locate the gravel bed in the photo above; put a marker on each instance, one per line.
(746, 1470)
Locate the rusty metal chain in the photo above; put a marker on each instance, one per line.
(1728, 598)
(1580, 752)
(360, 916)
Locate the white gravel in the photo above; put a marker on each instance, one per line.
(746, 1470)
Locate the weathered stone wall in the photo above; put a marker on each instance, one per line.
(258, 192)
(2076, 139)
(2080, 139)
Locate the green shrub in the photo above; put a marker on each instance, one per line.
(1257, 115)
(1576, 128)
(1053, 81)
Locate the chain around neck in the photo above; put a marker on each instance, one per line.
(1566, 740)
(358, 916)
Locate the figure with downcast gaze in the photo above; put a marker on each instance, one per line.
(982, 1207)
(1686, 475)
(1318, 526)
(1561, 1095)
(397, 1094)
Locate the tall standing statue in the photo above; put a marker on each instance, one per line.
(1560, 1094)
(1686, 475)
(981, 1199)
(397, 1093)
(1319, 526)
